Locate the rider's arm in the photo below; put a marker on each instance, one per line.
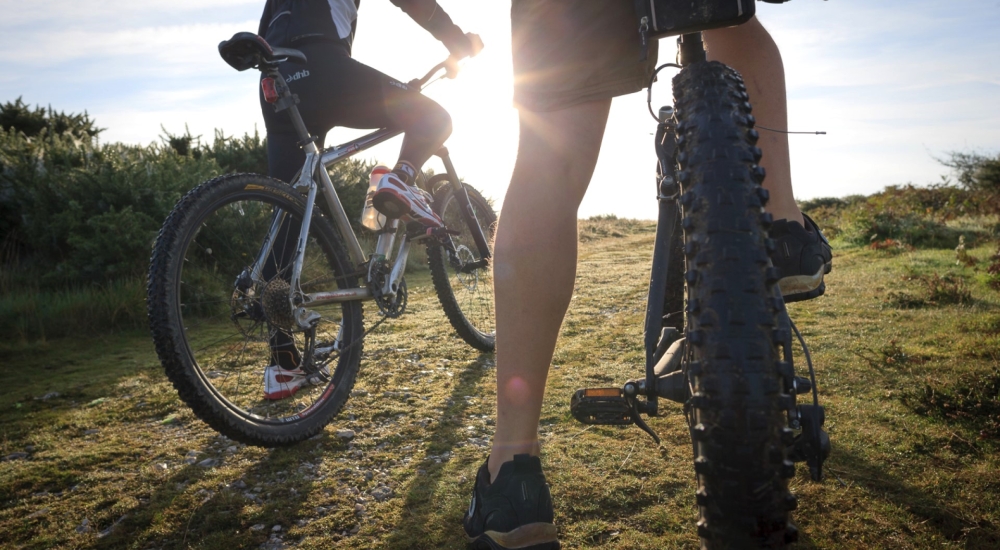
(429, 15)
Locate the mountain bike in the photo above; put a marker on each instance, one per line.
(248, 270)
(718, 337)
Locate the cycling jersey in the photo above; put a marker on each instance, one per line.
(292, 23)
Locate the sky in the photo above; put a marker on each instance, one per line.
(895, 84)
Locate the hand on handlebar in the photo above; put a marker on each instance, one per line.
(475, 46)
(476, 43)
(449, 65)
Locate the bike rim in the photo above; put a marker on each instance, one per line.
(227, 333)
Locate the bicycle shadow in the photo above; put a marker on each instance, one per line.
(849, 469)
(217, 517)
(416, 528)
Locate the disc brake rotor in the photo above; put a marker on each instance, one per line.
(465, 256)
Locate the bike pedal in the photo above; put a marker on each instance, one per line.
(415, 231)
(603, 406)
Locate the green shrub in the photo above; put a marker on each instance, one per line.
(975, 171)
(972, 400)
(33, 313)
(866, 224)
(18, 116)
(86, 213)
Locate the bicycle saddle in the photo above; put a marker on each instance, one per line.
(246, 50)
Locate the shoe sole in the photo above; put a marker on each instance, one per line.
(804, 287)
(393, 204)
(388, 202)
(533, 536)
(283, 394)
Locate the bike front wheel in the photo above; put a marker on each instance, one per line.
(465, 294)
(739, 402)
(221, 319)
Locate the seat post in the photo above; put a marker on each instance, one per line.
(288, 100)
(690, 49)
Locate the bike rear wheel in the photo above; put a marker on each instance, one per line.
(467, 296)
(218, 321)
(738, 407)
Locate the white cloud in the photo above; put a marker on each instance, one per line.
(893, 82)
(110, 13)
(153, 48)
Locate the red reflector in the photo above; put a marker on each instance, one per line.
(270, 92)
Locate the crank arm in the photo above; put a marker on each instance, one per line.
(608, 407)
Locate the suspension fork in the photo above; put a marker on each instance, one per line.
(690, 49)
(667, 193)
(466, 206)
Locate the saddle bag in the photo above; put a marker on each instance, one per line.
(660, 18)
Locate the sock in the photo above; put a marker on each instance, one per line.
(405, 172)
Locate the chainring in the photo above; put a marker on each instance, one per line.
(393, 306)
(390, 305)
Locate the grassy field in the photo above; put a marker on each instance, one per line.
(98, 451)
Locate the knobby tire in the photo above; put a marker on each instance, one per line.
(212, 233)
(467, 298)
(737, 413)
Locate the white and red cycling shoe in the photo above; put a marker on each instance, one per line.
(395, 199)
(280, 383)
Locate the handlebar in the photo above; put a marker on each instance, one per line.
(449, 65)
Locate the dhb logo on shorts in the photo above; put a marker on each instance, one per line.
(298, 74)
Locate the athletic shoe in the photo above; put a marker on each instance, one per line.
(280, 383)
(802, 256)
(395, 199)
(515, 511)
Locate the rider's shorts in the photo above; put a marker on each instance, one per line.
(568, 52)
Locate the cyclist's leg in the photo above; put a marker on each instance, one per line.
(370, 99)
(284, 159)
(569, 59)
(803, 255)
(337, 90)
(750, 50)
(535, 262)
(362, 97)
(426, 126)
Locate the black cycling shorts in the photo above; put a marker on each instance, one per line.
(333, 90)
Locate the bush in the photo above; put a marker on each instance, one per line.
(974, 171)
(74, 212)
(19, 117)
(972, 400)
(87, 213)
(32, 313)
(861, 226)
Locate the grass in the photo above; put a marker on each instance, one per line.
(105, 456)
(28, 313)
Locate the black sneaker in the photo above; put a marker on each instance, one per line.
(515, 511)
(802, 256)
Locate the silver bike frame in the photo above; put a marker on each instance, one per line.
(315, 164)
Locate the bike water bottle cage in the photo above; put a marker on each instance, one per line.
(246, 50)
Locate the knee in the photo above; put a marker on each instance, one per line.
(438, 122)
